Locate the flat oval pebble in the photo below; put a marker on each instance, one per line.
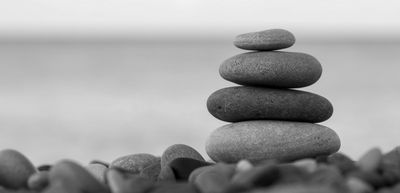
(272, 69)
(179, 151)
(272, 39)
(234, 104)
(134, 163)
(15, 169)
(261, 140)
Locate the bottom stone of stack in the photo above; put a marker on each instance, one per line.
(262, 140)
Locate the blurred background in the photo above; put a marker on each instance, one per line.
(99, 79)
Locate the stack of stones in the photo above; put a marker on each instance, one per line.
(270, 119)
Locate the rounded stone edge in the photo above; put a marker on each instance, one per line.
(283, 39)
(335, 147)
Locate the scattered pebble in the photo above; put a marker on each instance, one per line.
(371, 160)
(179, 151)
(134, 163)
(15, 169)
(323, 174)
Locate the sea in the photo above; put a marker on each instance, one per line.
(87, 100)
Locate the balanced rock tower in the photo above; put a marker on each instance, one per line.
(269, 120)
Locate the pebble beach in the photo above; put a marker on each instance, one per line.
(282, 149)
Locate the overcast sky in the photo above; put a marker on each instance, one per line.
(196, 16)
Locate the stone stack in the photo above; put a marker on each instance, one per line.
(269, 119)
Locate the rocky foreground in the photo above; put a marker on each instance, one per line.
(181, 169)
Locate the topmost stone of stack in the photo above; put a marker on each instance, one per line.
(267, 40)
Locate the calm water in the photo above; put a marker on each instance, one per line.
(103, 100)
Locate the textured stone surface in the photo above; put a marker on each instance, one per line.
(15, 169)
(134, 163)
(272, 39)
(234, 104)
(272, 69)
(262, 140)
(179, 151)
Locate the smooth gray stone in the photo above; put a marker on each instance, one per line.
(15, 169)
(179, 151)
(272, 39)
(272, 69)
(134, 163)
(234, 104)
(262, 140)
